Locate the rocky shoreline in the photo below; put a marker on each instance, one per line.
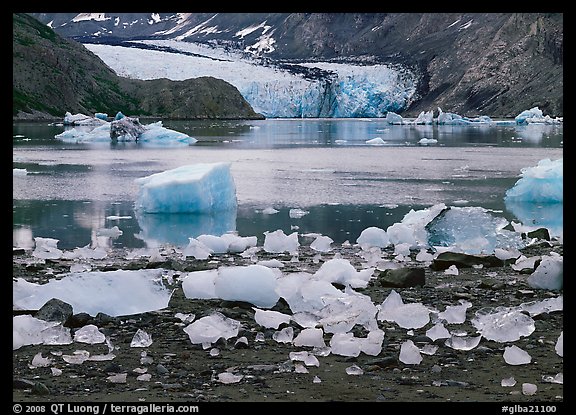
(254, 367)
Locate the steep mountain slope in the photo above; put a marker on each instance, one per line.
(471, 63)
(52, 75)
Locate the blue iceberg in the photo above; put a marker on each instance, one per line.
(195, 188)
(537, 198)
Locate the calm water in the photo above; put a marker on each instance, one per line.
(323, 167)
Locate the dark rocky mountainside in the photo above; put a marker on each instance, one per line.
(52, 75)
(496, 64)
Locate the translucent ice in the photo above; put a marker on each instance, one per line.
(141, 339)
(549, 275)
(543, 183)
(373, 236)
(354, 370)
(529, 389)
(227, 377)
(209, 329)
(409, 353)
(196, 188)
(411, 315)
(304, 356)
(28, 330)
(120, 292)
(411, 229)
(463, 342)
(310, 337)
(503, 324)
(200, 284)
(455, 313)
(341, 271)
(322, 244)
(270, 319)
(255, 284)
(89, 334)
(559, 346)
(513, 355)
(438, 331)
(278, 242)
(286, 335)
(508, 382)
(46, 248)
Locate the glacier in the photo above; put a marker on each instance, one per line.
(293, 90)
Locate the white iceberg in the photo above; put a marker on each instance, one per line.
(279, 242)
(195, 188)
(373, 237)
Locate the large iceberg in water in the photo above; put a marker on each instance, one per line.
(195, 188)
(537, 198)
(543, 183)
(96, 130)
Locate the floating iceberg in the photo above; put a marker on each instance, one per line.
(535, 116)
(543, 183)
(195, 188)
(97, 130)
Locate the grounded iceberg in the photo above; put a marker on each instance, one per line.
(96, 130)
(195, 188)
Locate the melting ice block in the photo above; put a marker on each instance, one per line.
(411, 315)
(513, 355)
(503, 324)
(550, 273)
(255, 284)
(196, 188)
(209, 329)
(116, 293)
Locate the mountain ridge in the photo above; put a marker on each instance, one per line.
(495, 64)
(53, 75)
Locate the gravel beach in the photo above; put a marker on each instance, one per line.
(260, 369)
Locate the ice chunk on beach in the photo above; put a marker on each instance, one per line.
(559, 346)
(513, 355)
(503, 324)
(340, 270)
(543, 183)
(322, 243)
(373, 237)
(116, 293)
(195, 188)
(279, 242)
(270, 319)
(409, 353)
(376, 141)
(209, 329)
(89, 334)
(455, 314)
(411, 229)
(313, 337)
(196, 249)
(141, 339)
(254, 284)
(469, 229)
(408, 316)
(463, 342)
(438, 331)
(46, 248)
(28, 330)
(549, 274)
(200, 284)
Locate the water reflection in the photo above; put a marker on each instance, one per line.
(547, 215)
(176, 228)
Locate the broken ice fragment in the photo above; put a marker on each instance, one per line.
(209, 329)
(77, 358)
(409, 353)
(354, 370)
(508, 382)
(270, 319)
(455, 314)
(451, 270)
(141, 339)
(284, 336)
(529, 389)
(89, 334)
(408, 316)
(46, 248)
(438, 331)
(322, 244)
(559, 378)
(40, 361)
(310, 337)
(463, 343)
(559, 347)
(513, 355)
(503, 324)
(308, 358)
(118, 378)
(254, 284)
(549, 275)
(227, 377)
(278, 242)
